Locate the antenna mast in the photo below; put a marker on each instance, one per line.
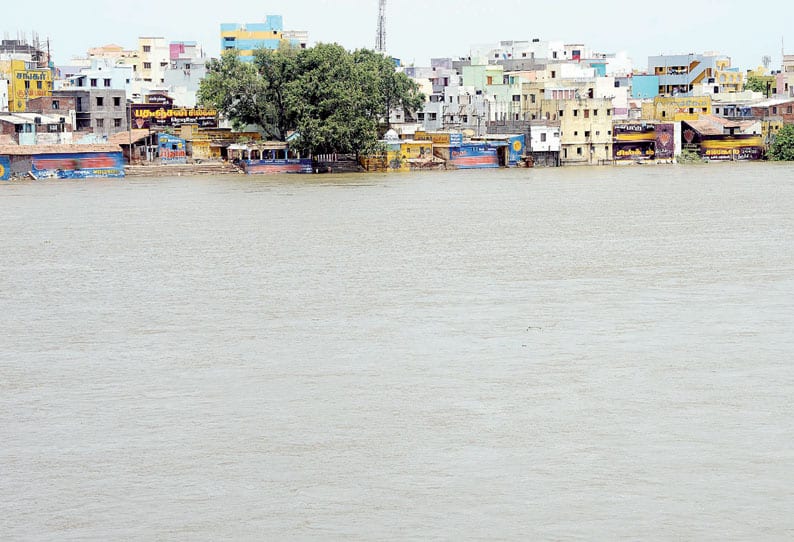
(380, 39)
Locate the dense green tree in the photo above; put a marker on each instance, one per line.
(756, 84)
(336, 100)
(234, 88)
(277, 71)
(782, 148)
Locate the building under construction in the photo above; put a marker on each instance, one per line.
(21, 48)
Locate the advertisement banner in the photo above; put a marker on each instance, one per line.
(151, 115)
(172, 149)
(665, 141)
(5, 168)
(78, 165)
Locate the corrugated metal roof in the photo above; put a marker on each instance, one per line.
(30, 118)
(29, 150)
(123, 138)
(773, 102)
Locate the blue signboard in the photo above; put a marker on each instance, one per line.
(5, 168)
(172, 149)
(516, 150)
(84, 165)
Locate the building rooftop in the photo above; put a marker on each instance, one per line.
(27, 150)
(30, 118)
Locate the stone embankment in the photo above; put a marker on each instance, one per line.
(179, 170)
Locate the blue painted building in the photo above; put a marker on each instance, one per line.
(247, 38)
(644, 87)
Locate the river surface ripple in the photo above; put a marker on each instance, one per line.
(516, 355)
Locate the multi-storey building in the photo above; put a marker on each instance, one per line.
(26, 81)
(102, 112)
(785, 79)
(680, 74)
(247, 38)
(585, 129)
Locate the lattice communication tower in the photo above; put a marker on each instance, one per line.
(380, 39)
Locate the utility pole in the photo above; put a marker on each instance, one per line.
(380, 39)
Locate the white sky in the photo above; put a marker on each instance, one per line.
(421, 29)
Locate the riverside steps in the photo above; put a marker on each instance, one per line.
(178, 170)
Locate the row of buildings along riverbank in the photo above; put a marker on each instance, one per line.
(504, 104)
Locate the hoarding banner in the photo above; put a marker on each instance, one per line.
(665, 141)
(150, 115)
(5, 168)
(78, 165)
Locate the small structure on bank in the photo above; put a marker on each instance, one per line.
(268, 157)
(719, 139)
(61, 161)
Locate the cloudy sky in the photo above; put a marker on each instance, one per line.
(421, 29)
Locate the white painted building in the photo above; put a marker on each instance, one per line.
(4, 84)
(519, 50)
(545, 138)
(102, 73)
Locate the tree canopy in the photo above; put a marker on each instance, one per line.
(782, 149)
(337, 101)
(756, 84)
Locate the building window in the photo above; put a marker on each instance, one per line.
(38, 85)
(576, 134)
(774, 110)
(163, 64)
(516, 97)
(553, 73)
(100, 101)
(587, 134)
(100, 123)
(147, 65)
(788, 110)
(187, 66)
(561, 112)
(717, 111)
(117, 101)
(532, 98)
(107, 82)
(579, 151)
(543, 138)
(147, 48)
(56, 104)
(117, 123)
(587, 113)
(609, 112)
(575, 112)
(595, 112)
(93, 82)
(420, 116)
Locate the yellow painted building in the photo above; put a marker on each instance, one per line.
(387, 161)
(25, 83)
(676, 109)
(585, 129)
